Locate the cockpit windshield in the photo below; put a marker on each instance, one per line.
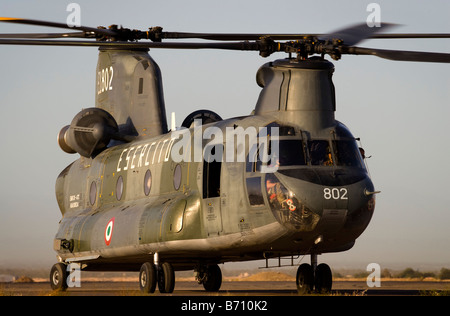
(293, 151)
(320, 153)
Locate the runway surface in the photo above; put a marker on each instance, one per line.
(230, 288)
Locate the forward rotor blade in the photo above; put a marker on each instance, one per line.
(398, 54)
(350, 36)
(58, 25)
(233, 36)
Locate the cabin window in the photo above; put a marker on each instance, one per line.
(147, 182)
(177, 177)
(212, 167)
(254, 191)
(119, 188)
(93, 193)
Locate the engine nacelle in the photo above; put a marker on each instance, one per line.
(62, 140)
(89, 133)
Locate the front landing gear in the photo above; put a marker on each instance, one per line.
(305, 279)
(313, 276)
(323, 278)
(58, 277)
(210, 276)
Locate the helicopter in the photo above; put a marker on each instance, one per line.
(287, 180)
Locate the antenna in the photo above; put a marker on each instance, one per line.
(173, 123)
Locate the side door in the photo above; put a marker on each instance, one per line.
(212, 171)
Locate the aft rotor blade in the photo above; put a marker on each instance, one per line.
(58, 25)
(398, 54)
(45, 35)
(252, 46)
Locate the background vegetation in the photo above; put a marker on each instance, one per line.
(407, 273)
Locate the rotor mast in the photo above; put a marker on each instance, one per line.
(299, 92)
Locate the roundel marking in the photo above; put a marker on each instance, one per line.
(108, 231)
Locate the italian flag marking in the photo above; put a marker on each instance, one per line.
(108, 231)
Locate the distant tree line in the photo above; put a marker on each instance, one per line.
(408, 273)
(443, 274)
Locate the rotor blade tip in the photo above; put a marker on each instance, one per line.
(3, 18)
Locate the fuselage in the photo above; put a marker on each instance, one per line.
(154, 195)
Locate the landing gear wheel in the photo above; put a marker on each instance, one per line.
(58, 277)
(147, 278)
(166, 278)
(213, 278)
(323, 279)
(305, 279)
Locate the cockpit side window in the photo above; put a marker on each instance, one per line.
(347, 153)
(290, 153)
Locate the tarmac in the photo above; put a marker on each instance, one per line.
(231, 288)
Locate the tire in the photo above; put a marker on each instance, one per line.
(147, 278)
(213, 278)
(58, 277)
(305, 279)
(323, 278)
(166, 278)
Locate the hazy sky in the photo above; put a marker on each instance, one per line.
(400, 110)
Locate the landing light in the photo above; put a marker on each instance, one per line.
(318, 240)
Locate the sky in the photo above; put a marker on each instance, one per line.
(400, 110)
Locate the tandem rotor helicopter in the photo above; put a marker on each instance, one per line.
(302, 188)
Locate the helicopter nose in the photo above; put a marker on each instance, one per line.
(322, 206)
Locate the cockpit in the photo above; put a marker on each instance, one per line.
(274, 167)
(298, 149)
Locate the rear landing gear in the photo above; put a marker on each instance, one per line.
(151, 274)
(147, 278)
(313, 276)
(166, 278)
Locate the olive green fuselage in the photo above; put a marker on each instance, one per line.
(133, 200)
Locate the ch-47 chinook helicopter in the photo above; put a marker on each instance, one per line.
(128, 205)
